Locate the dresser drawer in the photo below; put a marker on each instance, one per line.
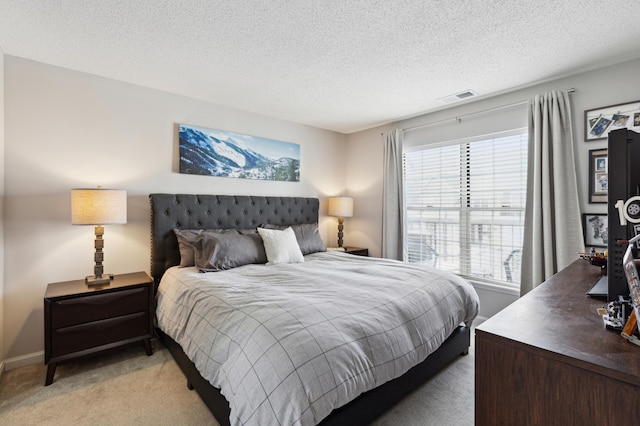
(87, 308)
(97, 333)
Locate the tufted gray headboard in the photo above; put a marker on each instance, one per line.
(187, 211)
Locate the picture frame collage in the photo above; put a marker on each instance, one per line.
(598, 123)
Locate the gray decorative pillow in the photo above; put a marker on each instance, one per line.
(186, 239)
(218, 252)
(307, 236)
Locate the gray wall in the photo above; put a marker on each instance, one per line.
(603, 87)
(64, 129)
(2, 353)
(67, 129)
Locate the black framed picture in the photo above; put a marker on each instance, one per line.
(596, 229)
(600, 121)
(598, 176)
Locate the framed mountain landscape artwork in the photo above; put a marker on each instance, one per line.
(211, 152)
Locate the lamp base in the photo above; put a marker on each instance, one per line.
(340, 231)
(93, 280)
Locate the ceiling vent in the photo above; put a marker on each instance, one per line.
(458, 97)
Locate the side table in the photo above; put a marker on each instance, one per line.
(80, 320)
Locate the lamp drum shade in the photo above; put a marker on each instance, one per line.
(341, 206)
(98, 206)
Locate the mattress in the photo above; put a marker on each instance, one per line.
(288, 343)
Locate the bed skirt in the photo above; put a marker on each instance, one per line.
(362, 410)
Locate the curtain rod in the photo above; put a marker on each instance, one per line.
(471, 114)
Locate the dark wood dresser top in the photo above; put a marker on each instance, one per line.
(558, 320)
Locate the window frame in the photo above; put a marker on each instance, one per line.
(465, 209)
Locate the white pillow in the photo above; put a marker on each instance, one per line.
(281, 246)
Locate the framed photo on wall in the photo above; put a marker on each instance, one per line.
(598, 176)
(596, 230)
(600, 121)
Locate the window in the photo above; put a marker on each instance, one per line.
(465, 206)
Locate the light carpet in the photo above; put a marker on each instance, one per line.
(129, 388)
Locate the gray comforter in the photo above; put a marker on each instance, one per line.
(288, 343)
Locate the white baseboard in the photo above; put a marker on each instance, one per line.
(21, 361)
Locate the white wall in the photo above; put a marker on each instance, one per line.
(607, 86)
(364, 155)
(2, 353)
(66, 129)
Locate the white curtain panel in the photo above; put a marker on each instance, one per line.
(393, 213)
(553, 231)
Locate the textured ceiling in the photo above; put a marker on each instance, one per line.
(343, 65)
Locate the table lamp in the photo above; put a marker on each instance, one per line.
(98, 207)
(340, 207)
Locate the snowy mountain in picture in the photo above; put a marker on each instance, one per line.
(218, 153)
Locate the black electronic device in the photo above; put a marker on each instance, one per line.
(623, 205)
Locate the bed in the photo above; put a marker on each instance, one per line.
(222, 329)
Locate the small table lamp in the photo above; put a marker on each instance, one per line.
(98, 207)
(340, 207)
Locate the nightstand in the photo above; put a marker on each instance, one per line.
(358, 251)
(81, 320)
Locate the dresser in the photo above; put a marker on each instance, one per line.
(80, 320)
(547, 359)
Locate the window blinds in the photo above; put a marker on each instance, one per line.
(465, 205)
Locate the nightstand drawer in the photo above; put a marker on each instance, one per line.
(93, 334)
(96, 307)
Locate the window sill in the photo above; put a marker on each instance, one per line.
(500, 288)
